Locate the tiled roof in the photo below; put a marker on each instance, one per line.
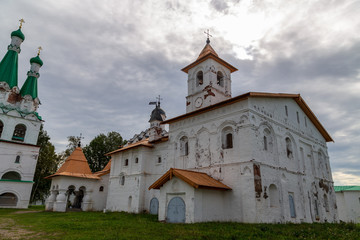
(105, 171)
(206, 53)
(194, 179)
(298, 99)
(346, 188)
(75, 165)
(144, 143)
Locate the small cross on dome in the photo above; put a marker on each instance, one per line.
(207, 32)
(21, 22)
(39, 49)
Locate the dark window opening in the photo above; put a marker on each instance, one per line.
(159, 160)
(265, 143)
(286, 111)
(289, 151)
(101, 189)
(136, 160)
(19, 133)
(229, 141)
(1, 127)
(297, 117)
(199, 78)
(17, 160)
(122, 180)
(220, 79)
(126, 162)
(11, 176)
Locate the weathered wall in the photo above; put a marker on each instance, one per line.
(348, 206)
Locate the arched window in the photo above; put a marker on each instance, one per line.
(8, 199)
(122, 181)
(11, 176)
(19, 133)
(274, 196)
(126, 163)
(220, 79)
(199, 78)
(159, 160)
(17, 159)
(1, 127)
(268, 140)
(184, 146)
(289, 148)
(101, 189)
(227, 138)
(136, 160)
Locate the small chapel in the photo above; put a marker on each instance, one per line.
(254, 158)
(19, 126)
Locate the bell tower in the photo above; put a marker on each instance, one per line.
(209, 79)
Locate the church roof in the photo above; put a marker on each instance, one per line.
(346, 188)
(9, 69)
(209, 53)
(105, 171)
(194, 179)
(30, 87)
(298, 99)
(144, 143)
(157, 114)
(75, 165)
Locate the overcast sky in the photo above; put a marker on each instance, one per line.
(105, 60)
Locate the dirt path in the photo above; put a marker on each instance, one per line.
(9, 229)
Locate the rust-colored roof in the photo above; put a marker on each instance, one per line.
(144, 142)
(105, 171)
(194, 179)
(75, 165)
(299, 100)
(209, 53)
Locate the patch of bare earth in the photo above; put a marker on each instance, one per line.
(9, 230)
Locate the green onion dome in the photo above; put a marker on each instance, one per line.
(37, 60)
(19, 34)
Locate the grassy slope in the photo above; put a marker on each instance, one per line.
(95, 225)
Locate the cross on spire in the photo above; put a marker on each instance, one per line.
(39, 49)
(207, 32)
(21, 22)
(79, 138)
(157, 103)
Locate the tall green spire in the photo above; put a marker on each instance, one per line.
(9, 64)
(30, 85)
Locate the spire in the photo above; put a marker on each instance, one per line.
(9, 64)
(157, 114)
(30, 85)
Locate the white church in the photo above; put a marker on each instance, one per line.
(254, 158)
(19, 126)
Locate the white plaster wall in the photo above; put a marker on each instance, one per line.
(177, 188)
(13, 118)
(348, 203)
(21, 189)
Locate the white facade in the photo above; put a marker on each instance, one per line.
(19, 130)
(348, 205)
(268, 148)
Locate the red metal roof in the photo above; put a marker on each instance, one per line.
(194, 179)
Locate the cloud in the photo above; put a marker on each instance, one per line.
(105, 60)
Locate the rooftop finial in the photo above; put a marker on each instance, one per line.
(79, 138)
(207, 32)
(157, 103)
(39, 49)
(21, 22)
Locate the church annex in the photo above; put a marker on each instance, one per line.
(256, 157)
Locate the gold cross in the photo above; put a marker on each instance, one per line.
(40, 48)
(21, 22)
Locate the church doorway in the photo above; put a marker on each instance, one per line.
(75, 198)
(8, 199)
(154, 206)
(176, 210)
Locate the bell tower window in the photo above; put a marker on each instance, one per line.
(220, 79)
(19, 133)
(199, 78)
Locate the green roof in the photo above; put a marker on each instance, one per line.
(9, 69)
(19, 34)
(346, 188)
(37, 60)
(30, 87)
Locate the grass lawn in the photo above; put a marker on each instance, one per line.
(35, 223)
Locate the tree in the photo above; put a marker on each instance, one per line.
(95, 151)
(46, 165)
